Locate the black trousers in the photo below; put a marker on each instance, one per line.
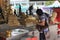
(42, 36)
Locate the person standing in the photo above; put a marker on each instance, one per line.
(30, 10)
(55, 19)
(19, 9)
(15, 12)
(1, 13)
(41, 25)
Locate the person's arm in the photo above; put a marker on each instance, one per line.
(53, 18)
(42, 23)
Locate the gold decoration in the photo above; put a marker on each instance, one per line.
(8, 33)
(31, 19)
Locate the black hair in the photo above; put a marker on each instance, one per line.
(39, 12)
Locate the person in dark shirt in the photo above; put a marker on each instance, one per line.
(41, 23)
(19, 8)
(1, 14)
(15, 12)
(0, 10)
(30, 10)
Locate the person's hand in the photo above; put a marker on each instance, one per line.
(56, 22)
(51, 23)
